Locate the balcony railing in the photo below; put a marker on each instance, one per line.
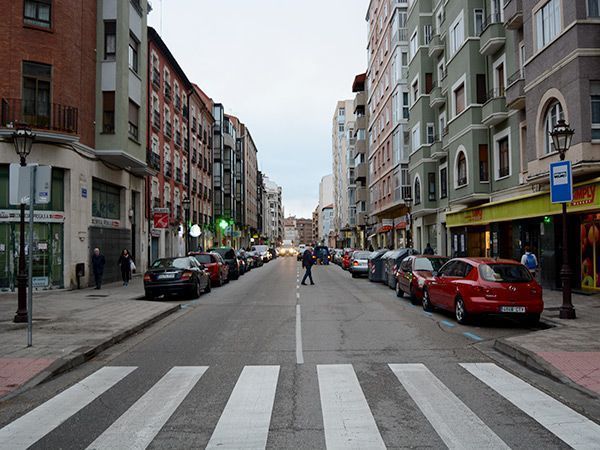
(490, 20)
(495, 93)
(154, 160)
(55, 117)
(518, 75)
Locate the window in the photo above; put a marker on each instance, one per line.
(431, 186)
(593, 8)
(133, 53)
(416, 137)
(481, 89)
(461, 169)
(36, 93)
(444, 182)
(340, 127)
(110, 39)
(342, 113)
(503, 157)
(38, 13)
(414, 44)
(553, 114)
(547, 23)
(106, 200)
(405, 105)
(108, 112)
(415, 90)
(457, 35)
(459, 99)
(430, 133)
(428, 83)
(595, 91)
(484, 172)
(417, 188)
(427, 34)
(478, 21)
(134, 113)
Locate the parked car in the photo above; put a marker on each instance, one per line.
(182, 276)
(376, 265)
(337, 256)
(262, 251)
(414, 271)
(218, 270)
(392, 261)
(273, 252)
(228, 255)
(359, 263)
(258, 261)
(474, 286)
(241, 257)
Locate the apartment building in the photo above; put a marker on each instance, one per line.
(387, 110)
(361, 171)
(325, 201)
(290, 231)
(273, 212)
(81, 89)
(250, 172)
(304, 231)
(344, 188)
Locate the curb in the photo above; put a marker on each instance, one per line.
(84, 354)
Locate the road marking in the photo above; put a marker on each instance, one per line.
(449, 416)
(247, 415)
(347, 419)
(298, 295)
(299, 354)
(473, 336)
(428, 314)
(297, 286)
(568, 425)
(140, 424)
(448, 324)
(30, 428)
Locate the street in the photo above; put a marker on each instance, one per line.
(344, 364)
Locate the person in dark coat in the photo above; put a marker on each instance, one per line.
(307, 263)
(428, 250)
(98, 262)
(125, 265)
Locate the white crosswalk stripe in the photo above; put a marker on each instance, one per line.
(245, 421)
(347, 419)
(28, 429)
(568, 425)
(136, 428)
(447, 414)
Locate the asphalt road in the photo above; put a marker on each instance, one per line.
(265, 362)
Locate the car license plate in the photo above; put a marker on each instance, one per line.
(512, 309)
(166, 276)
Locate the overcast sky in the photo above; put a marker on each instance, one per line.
(278, 65)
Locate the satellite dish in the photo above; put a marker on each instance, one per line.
(195, 231)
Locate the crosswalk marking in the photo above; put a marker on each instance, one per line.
(449, 416)
(28, 429)
(245, 421)
(347, 418)
(140, 424)
(568, 425)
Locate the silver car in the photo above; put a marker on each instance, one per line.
(359, 263)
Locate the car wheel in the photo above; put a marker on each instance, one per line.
(460, 312)
(148, 295)
(208, 287)
(427, 306)
(219, 281)
(399, 291)
(413, 295)
(532, 320)
(197, 291)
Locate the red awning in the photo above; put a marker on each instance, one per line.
(401, 226)
(384, 229)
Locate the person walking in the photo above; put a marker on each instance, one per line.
(428, 250)
(530, 261)
(307, 263)
(98, 262)
(125, 264)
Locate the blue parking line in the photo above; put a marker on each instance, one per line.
(411, 305)
(473, 336)
(448, 324)
(428, 314)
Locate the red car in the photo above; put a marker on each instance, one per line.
(347, 259)
(414, 271)
(216, 266)
(472, 286)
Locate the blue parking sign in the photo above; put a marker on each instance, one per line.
(561, 182)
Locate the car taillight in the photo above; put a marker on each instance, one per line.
(147, 277)
(487, 293)
(186, 275)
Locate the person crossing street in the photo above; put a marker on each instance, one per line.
(307, 263)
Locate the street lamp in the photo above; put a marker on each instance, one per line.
(186, 208)
(23, 139)
(561, 138)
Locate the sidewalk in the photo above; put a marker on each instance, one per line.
(570, 351)
(70, 327)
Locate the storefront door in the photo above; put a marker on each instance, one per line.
(590, 252)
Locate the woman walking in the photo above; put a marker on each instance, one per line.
(125, 263)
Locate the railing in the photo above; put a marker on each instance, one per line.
(496, 92)
(56, 117)
(154, 160)
(444, 74)
(168, 91)
(518, 75)
(168, 130)
(490, 20)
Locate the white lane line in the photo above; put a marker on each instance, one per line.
(299, 354)
(140, 424)
(453, 421)
(348, 421)
(568, 425)
(245, 421)
(30, 428)
(298, 295)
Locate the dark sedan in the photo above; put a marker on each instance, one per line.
(180, 276)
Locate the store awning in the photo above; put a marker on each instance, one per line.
(586, 197)
(384, 229)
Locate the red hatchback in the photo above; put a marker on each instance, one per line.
(216, 266)
(472, 286)
(413, 272)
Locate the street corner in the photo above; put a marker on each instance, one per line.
(582, 368)
(15, 372)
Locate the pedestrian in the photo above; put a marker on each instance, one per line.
(126, 265)
(98, 262)
(530, 261)
(307, 263)
(428, 250)
(371, 249)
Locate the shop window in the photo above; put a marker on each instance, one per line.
(106, 200)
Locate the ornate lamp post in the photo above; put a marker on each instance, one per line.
(186, 208)
(561, 138)
(23, 139)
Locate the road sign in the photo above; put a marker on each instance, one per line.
(161, 220)
(561, 182)
(19, 184)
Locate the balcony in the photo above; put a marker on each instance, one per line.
(515, 91)
(436, 46)
(436, 98)
(360, 172)
(513, 14)
(436, 150)
(360, 100)
(361, 195)
(401, 35)
(361, 123)
(493, 35)
(494, 109)
(56, 118)
(153, 160)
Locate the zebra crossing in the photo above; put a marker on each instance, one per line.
(348, 420)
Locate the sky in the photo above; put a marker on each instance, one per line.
(280, 66)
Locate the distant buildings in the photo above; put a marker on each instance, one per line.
(325, 201)
(304, 229)
(273, 215)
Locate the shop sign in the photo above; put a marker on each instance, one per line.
(106, 222)
(584, 195)
(474, 215)
(40, 282)
(161, 219)
(11, 215)
(155, 232)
